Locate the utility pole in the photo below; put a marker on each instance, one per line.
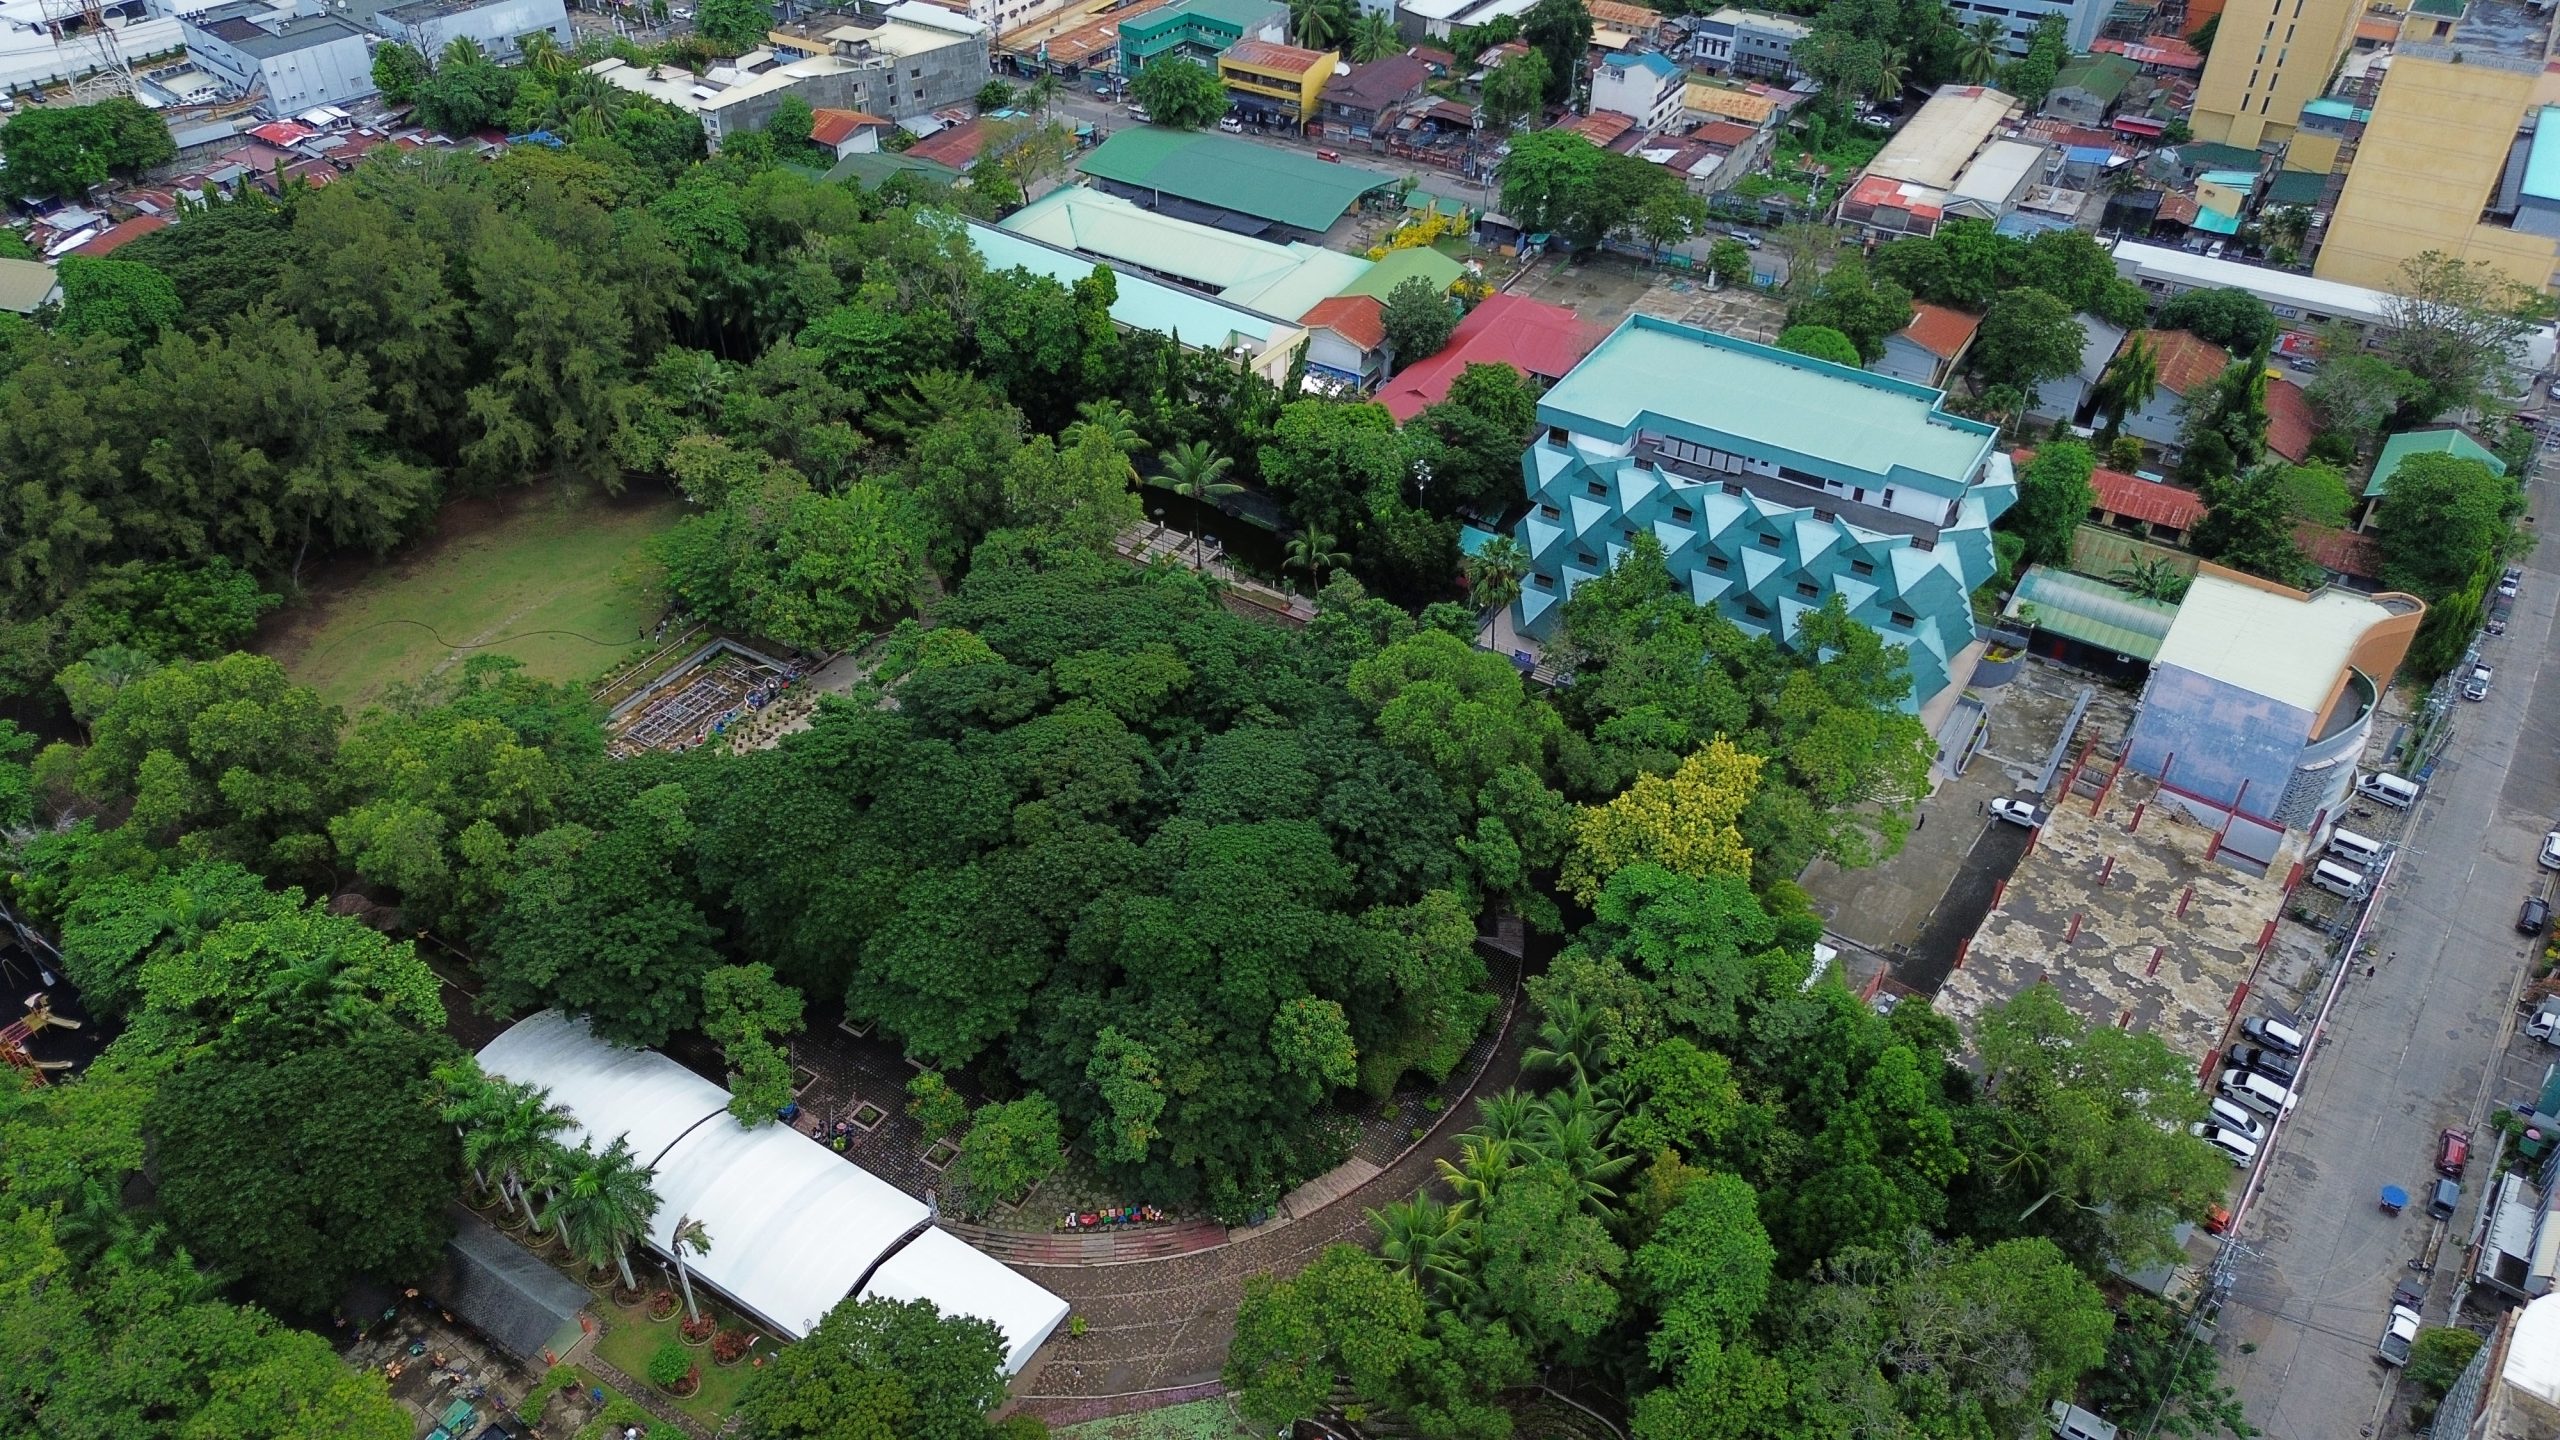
(2203, 1310)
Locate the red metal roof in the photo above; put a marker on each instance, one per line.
(1530, 336)
(834, 127)
(2343, 551)
(2186, 361)
(1940, 331)
(116, 237)
(956, 147)
(1359, 319)
(1273, 56)
(2289, 420)
(2148, 501)
(1730, 134)
(281, 133)
(1600, 127)
(2164, 51)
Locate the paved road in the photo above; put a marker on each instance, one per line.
(2406, 1054)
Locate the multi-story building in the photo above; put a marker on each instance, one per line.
(2438, 167)
(2261, 699)
(1773, 482)
(1646, 88)
(498, 27)
(2270, 58)
(912, 60)
(1749, 42)
(1198, 30)
(1275, 84)
(1360, 101)
(2081, 19)
(290, 58)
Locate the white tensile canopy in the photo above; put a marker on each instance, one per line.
(793, 1228)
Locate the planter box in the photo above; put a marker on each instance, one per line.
(938, 1156)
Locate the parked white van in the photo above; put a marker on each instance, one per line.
(2388, 788)
(2353, 848)
(2257, 1092)
(2337, 879)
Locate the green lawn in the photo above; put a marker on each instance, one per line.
(559, 581)
(630, 1337)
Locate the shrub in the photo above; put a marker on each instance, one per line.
(669, 1366)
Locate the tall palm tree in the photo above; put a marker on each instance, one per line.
(1316, 24)
(1494, 573)
(460, 50)
(1571, 1039)
(1980, 53)
(1893, 74)
(2127, 384)
(510, 1131)
(1198, 473)
(689, 1236)
(1043, 94)
(1506, 1116)
(605, 1202)
(1578, 1145)
(1425, 1240)
(1312, 550)
(1482, 1165)
(1374, 37)
(543, 55)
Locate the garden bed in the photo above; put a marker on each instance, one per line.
(629, 1339)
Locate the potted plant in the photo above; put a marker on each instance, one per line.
(697, 1330)
(730, 1346)
(672, 1370)
(662, 1304)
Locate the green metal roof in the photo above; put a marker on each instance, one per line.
(2296, 187)
(2093, 612)
(2333, 109)
(1257, 180)
(2426, 442)
(1201, 321)
(1237, 15)
(1275, 279)
(1403, 265)
(2207, 155)
(1767, 402)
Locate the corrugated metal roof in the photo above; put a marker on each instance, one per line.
(25, 285)
(2447, 441)
(1257, 180)
(2093, 612)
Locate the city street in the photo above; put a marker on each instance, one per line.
(2404, 1055)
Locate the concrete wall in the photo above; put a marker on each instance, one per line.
(2270, 58)
(324, 74)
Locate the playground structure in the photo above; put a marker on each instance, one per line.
(17, 1035)
(697, 700)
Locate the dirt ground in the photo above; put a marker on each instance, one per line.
(1730, 310)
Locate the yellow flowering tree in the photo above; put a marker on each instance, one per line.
(1686, 822)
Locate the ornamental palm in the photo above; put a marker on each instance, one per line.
(1984, 46)
(1197, 473)
(1571, 1039)
(1316, 24)
(1373, 37)
(1426, 1240)
(1313, 552)
(509, 1130)
(605, 1202)
(1506, 1116)
(1483, 1163)
(1494, 573)
(1578, 1145)
(689, 1236)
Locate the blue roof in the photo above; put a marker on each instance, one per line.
(1654, 63)
(2088, 154)
(1472, 539)
(2336, 110)
(2236, 179)
(2542, 162)
(2208, 218)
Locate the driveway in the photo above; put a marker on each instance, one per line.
(2405, 1054)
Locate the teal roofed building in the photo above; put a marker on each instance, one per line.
(2444, 441)
(1198, 29)
(1772, 481)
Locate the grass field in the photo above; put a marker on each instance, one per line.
(558, 581)
(630, 1338)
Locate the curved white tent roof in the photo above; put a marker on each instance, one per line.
(940, 1267)
(793, 1227)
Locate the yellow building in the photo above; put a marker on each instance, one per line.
(2269, 58)
(2434, 157)
(1276, 81)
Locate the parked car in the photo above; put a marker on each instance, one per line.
(2237, 1148)
(1743, 238)
(2551, 851)
(2017, 812)
(2476, 685)
(2534, 916)
(2275, 1034)
(2510, 587)
(2445, 1199)
(2259, 1093)
(2230, 1115)
(2282, 1069)
(2453, 1151)
(1231, 125)
(2545, 1023)
(2398, 1334)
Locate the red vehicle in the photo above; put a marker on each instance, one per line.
(1330, 157)
(2453, 1151)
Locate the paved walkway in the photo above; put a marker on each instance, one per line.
(1165, 1323)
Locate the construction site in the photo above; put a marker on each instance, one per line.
(696, 699)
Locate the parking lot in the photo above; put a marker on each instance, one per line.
(2422, 1043)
